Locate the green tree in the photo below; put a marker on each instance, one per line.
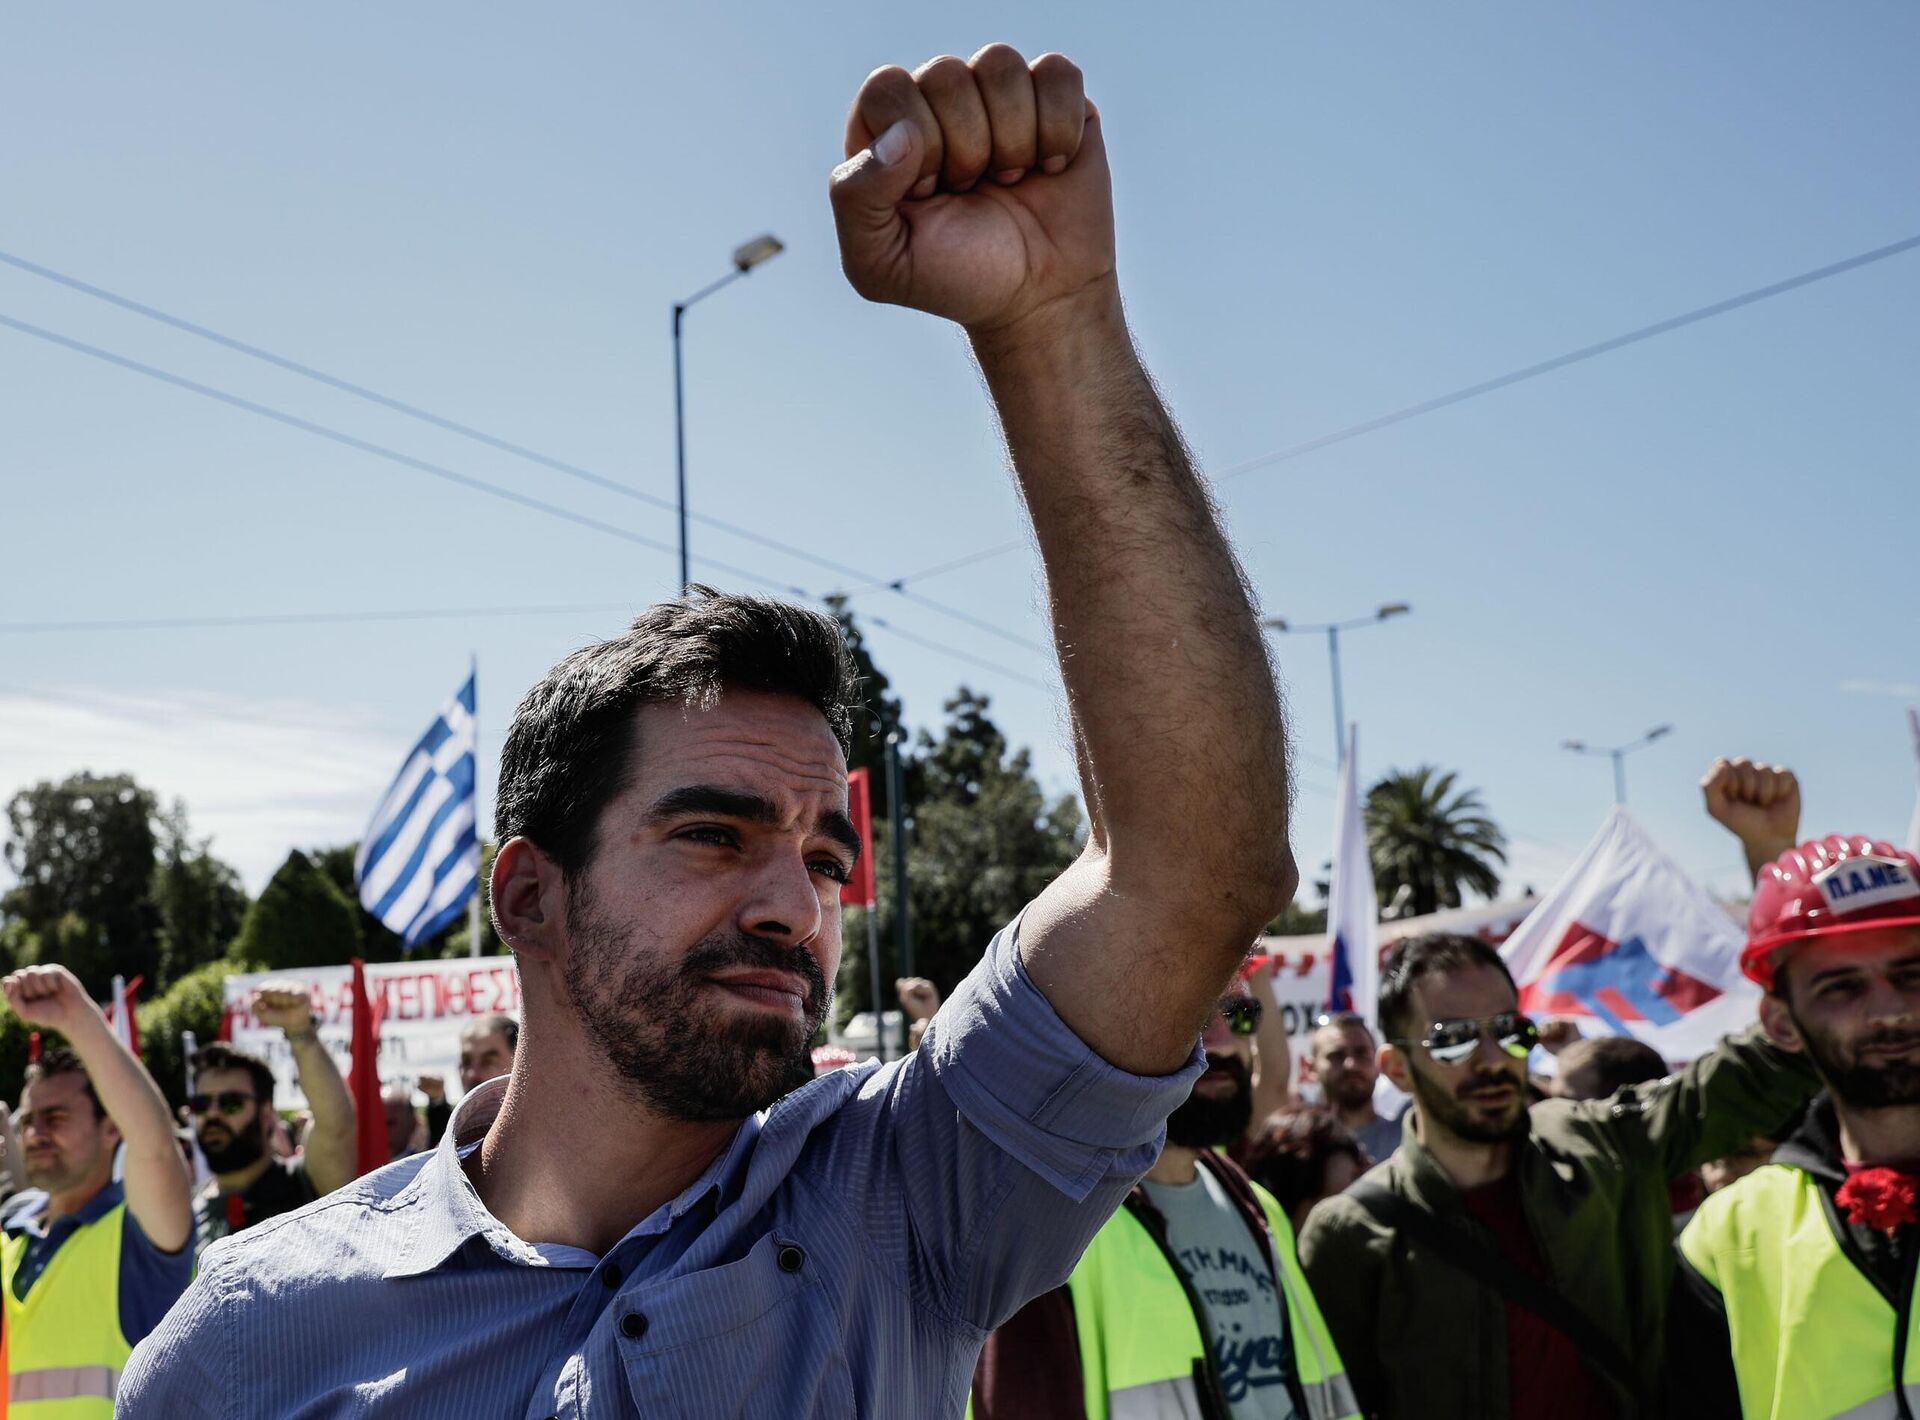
(982, 840)
(876, 718)
(200, 900)
(1433, 840)
(196, 1003)
(82, 850)
(377, 943)
(299, 920)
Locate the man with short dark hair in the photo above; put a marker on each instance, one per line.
(487, 1044)
(1594, 1068)
(234, 1123)
(1343, 1059)
(1190, 1301)
(641, 1219)
(89, 1266)
(1571, 1195)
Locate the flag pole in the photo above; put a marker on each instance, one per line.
(473, 903)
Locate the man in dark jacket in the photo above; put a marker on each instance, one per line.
(1572, 1193)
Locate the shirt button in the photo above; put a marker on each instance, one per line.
(790, 1258)
(633, 1326)
(610, 1274)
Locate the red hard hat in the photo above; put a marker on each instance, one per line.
(1831, 885)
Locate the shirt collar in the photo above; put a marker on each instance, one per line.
(447, 1211)
(96, 1208)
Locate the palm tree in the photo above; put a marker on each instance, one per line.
(1430, 840)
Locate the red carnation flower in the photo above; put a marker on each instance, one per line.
(1881, 1198)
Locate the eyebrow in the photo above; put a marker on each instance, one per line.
(1848, 968)
(748, 808)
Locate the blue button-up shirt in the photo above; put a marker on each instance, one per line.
(846, 1254)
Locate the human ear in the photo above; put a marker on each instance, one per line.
(1777, 1020)
(1396, 1067)
(528, 894)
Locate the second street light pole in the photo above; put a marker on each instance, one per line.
(1333, 630)
(1618, 754)
(745, 258)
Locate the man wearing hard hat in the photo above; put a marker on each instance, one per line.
(1811, 1259)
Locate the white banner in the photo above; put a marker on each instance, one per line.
(428, 1003)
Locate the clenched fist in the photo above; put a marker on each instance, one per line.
(288, 1006)
(976, 189)
(50, 996)
(1758, 803)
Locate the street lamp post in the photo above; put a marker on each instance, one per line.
(1333, 629)
(745, 258)
(1618, 754)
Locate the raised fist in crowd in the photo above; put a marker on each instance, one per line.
(1758, 803)
(976, 189)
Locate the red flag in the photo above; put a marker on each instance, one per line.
(33, 1046)
(363, 1083)
(857, 891)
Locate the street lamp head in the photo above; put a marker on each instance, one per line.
(1577, 746)
(1657, 731)
(762, 248)
(1275, 623)
(1393, 609)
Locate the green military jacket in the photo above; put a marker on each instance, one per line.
(1420, 1338)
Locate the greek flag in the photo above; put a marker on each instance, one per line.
(419, 861)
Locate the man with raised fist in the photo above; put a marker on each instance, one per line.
(89, 1265)
(640, 1219)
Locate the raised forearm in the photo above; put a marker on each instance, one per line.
(330, 1142)
(159, 1188)
(1179, 724)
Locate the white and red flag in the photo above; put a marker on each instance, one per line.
(1627, 944)
(1352, 909)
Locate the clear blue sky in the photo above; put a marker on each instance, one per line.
(1327, 211)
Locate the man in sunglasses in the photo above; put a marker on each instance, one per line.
(232, 1112)
(90, 1265)
(1516, 1262)
(1189, 1301)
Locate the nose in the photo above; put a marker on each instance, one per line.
(783, 900)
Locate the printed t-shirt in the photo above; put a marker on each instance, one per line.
(1245, 1321)
(1546, 1379)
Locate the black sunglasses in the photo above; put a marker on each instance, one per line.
(1451, 1042)
(1242, 1014)
(229, 1102)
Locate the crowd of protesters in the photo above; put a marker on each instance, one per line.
(1090, 1190)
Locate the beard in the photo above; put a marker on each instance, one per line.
(1451, 1110)
(655, 1022)
(1856, 1083)
(1348, 1090)
(232, 1152)
(1204, 1121)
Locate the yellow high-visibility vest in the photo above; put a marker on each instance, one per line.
(65, 1348)
(1140, 1340)
(1812, 1335)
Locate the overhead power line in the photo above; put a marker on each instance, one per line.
(303, 618)
(366, 446)
(863, 581)
(1498, 382)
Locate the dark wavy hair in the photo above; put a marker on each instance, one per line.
(569, 750)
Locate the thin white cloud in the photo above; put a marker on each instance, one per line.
(260, 777)
(1899, 690)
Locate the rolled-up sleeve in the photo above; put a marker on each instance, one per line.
(1013, 1141)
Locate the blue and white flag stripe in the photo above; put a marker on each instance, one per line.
(419, 860)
